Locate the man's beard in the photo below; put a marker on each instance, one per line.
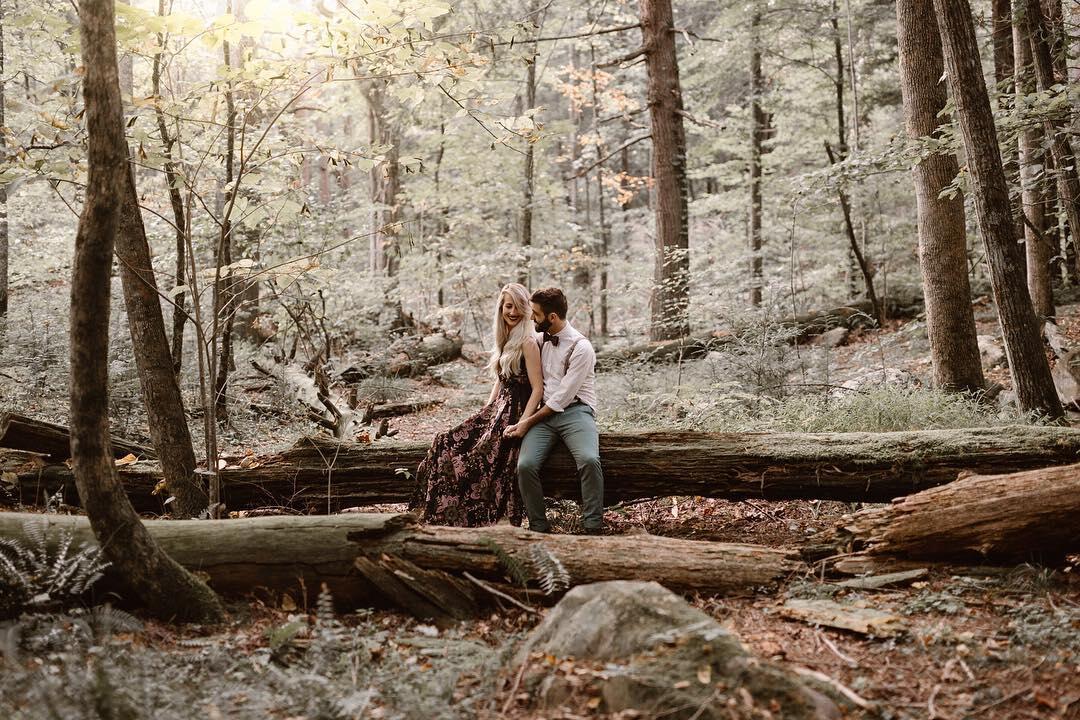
(542, 326)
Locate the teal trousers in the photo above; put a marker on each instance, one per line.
(575, 426)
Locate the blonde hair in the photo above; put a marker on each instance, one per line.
(510, 342)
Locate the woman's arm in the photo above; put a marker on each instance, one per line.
(495, 391)
(536, 379)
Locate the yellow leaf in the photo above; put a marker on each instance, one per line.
(681, 685)
(593, 703)
(127, 460)
(287, 603)
(704, 674)
(161, 487)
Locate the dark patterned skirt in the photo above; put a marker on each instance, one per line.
(469, 477)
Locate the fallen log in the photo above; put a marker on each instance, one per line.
(18, 432)
(802, 327)
(1009, 518)
(320, 475)
(286, 554)
(412, 356)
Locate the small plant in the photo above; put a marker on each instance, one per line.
(540, 565)
(35, 575)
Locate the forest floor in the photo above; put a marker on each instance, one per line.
(1000, 643)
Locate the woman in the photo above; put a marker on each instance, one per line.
(469, 476)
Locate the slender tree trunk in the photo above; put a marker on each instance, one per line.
(1002, 35)
(3, 194)
(671, 293)
(443, 226)
(530, 173)
(160, 388)
(605, 229)
(757, 130)
(224, 293)
(1031, 155)
(950, 324)
(1038, 31)
(1020, 328)
(176, 201)
(164, 586)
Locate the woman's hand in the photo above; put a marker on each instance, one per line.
(517, 430)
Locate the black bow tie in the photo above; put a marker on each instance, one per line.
(553, 339)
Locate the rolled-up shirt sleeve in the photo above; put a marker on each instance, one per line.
(582, 361)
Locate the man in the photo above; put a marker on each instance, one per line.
(569, 361)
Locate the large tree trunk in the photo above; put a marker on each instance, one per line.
(148, 573)
(1032, 164)
(153, 357)
(1019, 326)
(320, 475)
(950, 324)
(1020, 517)
(290, 553)
(1035, 27)
(671, 290)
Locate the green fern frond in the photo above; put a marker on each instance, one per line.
(514, 568)
(548, 570)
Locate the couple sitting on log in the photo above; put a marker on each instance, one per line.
(488, 467)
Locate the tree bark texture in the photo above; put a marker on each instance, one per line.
(1037, 28)
(1032, 159)
(671, 291)
(160, 583)
(291, 553)
(529, 169)
(950, 323)
(154, 360)
(867, 467)
(224, 289)
(1020, 328)
(1017, 517)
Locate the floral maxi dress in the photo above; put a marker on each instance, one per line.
(469, 477)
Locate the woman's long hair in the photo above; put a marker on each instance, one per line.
(509, 342)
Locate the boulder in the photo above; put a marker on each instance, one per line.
(1066, 374)
(833, 338)
(990, 351)
(632, 645)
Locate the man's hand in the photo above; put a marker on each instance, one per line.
(517, 430)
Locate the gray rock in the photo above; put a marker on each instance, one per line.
(990, 351)
(654, 653)
(833, 338)
(882, 376)
(1066, 374)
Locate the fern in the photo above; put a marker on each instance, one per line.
(33, 575)
(516, 571)
(548, 570)
(540, 565)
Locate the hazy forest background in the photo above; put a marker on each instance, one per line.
(821, 223)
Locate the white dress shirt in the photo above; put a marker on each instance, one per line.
(562, 384)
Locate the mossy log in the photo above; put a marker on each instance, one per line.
(286, 554)
(1011, 518)
(319, 475)
(18, 432)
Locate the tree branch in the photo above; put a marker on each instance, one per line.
(610, 155)
(603, 31)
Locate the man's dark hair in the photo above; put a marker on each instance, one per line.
(551, 300)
